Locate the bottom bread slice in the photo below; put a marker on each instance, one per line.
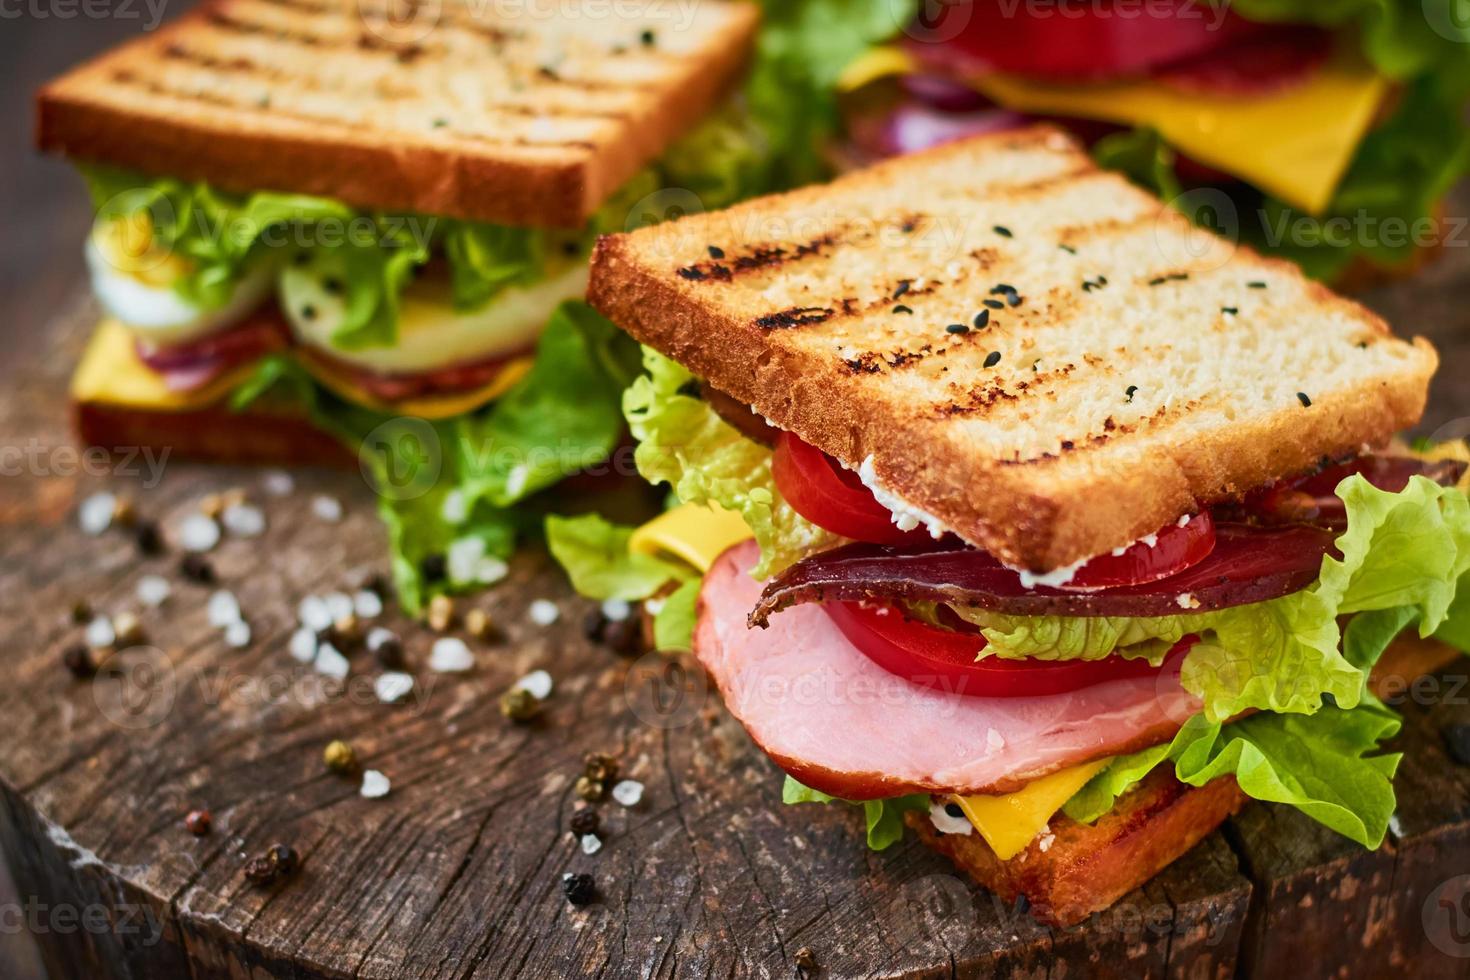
(1072, 870)
(260, 435)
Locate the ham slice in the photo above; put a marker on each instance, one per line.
(841, 724)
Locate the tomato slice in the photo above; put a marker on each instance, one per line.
(832, 497)
(1084, 41)
(1166, 553)
(944, 660)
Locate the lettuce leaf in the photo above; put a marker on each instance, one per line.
(673, 624)
(594, 553)
(454, 489)
(1321, 764)
(884, 817)
(486, 258)
(685, 443)
(803, 48)
(1400, 550)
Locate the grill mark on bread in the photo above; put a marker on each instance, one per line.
(244, 66)
(239, 101)
(231, 24)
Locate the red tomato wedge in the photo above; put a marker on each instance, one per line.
(832, 497)
(1073, 41)
(1170, 551)
(945, 660)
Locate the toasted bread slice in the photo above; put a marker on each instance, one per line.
(1075, 869)
(1110, 368)
(525, 115)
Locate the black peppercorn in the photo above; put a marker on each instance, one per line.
(198, 822)
(593, 625)
(197, 569)
(81, 612)
(378, 583)
(434, 568)
(579, 889)
(585, 821)
(1457, 741)
(149, 540)
(284, 858)
(78, 660)
(389, 653)
(623, 636)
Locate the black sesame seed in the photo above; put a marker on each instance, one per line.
(578, 889)
(1457, 741)
(1013, 299)
(1229, 310)
(982, 319)
(900, 308)
(1068, 249)
(1178, 276)
(308, 312)
(440, 123)
(332, 285)
(1002, 287)
(903, 287)
(1128, 394)
(1003, 231)
(301, 258)
(1102, 280)
(956, 328)
(992, 359)
(1257, 284)
(648, 39)
(1301, 396)
(995, 304)
(1068, 444)
(434, 568)
(1158, 280)
(715, 252)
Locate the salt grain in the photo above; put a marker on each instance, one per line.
(628, 792)
(379, 635)
(617, 609)
(154, 590)
(198, 533)
(591, 844)
(339, 605)
(237, 634)
(279, 483)
(455, 508)
(313, 613)
(367, 604)
(375, 785)
(537, 683)
(100, 635)
(330, 662)
(95, 513)
(303, 645)
(392, 686)
(450, 655)
(224, 609)
(327, 508)
(243, 521)
(544, 612)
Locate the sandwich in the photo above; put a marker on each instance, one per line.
(1325, 133)
(1067, 529)
(326, 226)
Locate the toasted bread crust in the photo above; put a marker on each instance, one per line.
(954, 443)
(214, 96)
(212, 435)
(1075, 869)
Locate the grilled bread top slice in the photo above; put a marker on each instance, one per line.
(1045, 358)
(530, 114)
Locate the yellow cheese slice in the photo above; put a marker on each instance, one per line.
(694, 533)
(1010, 822)
(1295, 144)
(110, 373)
(431, 407)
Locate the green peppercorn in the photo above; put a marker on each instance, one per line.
(518, 704)
(600, 767)
(339, 757)
(590, 790)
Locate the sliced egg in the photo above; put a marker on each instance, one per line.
(432, 334)
(143, 299)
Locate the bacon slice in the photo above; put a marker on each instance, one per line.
(840, 724)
